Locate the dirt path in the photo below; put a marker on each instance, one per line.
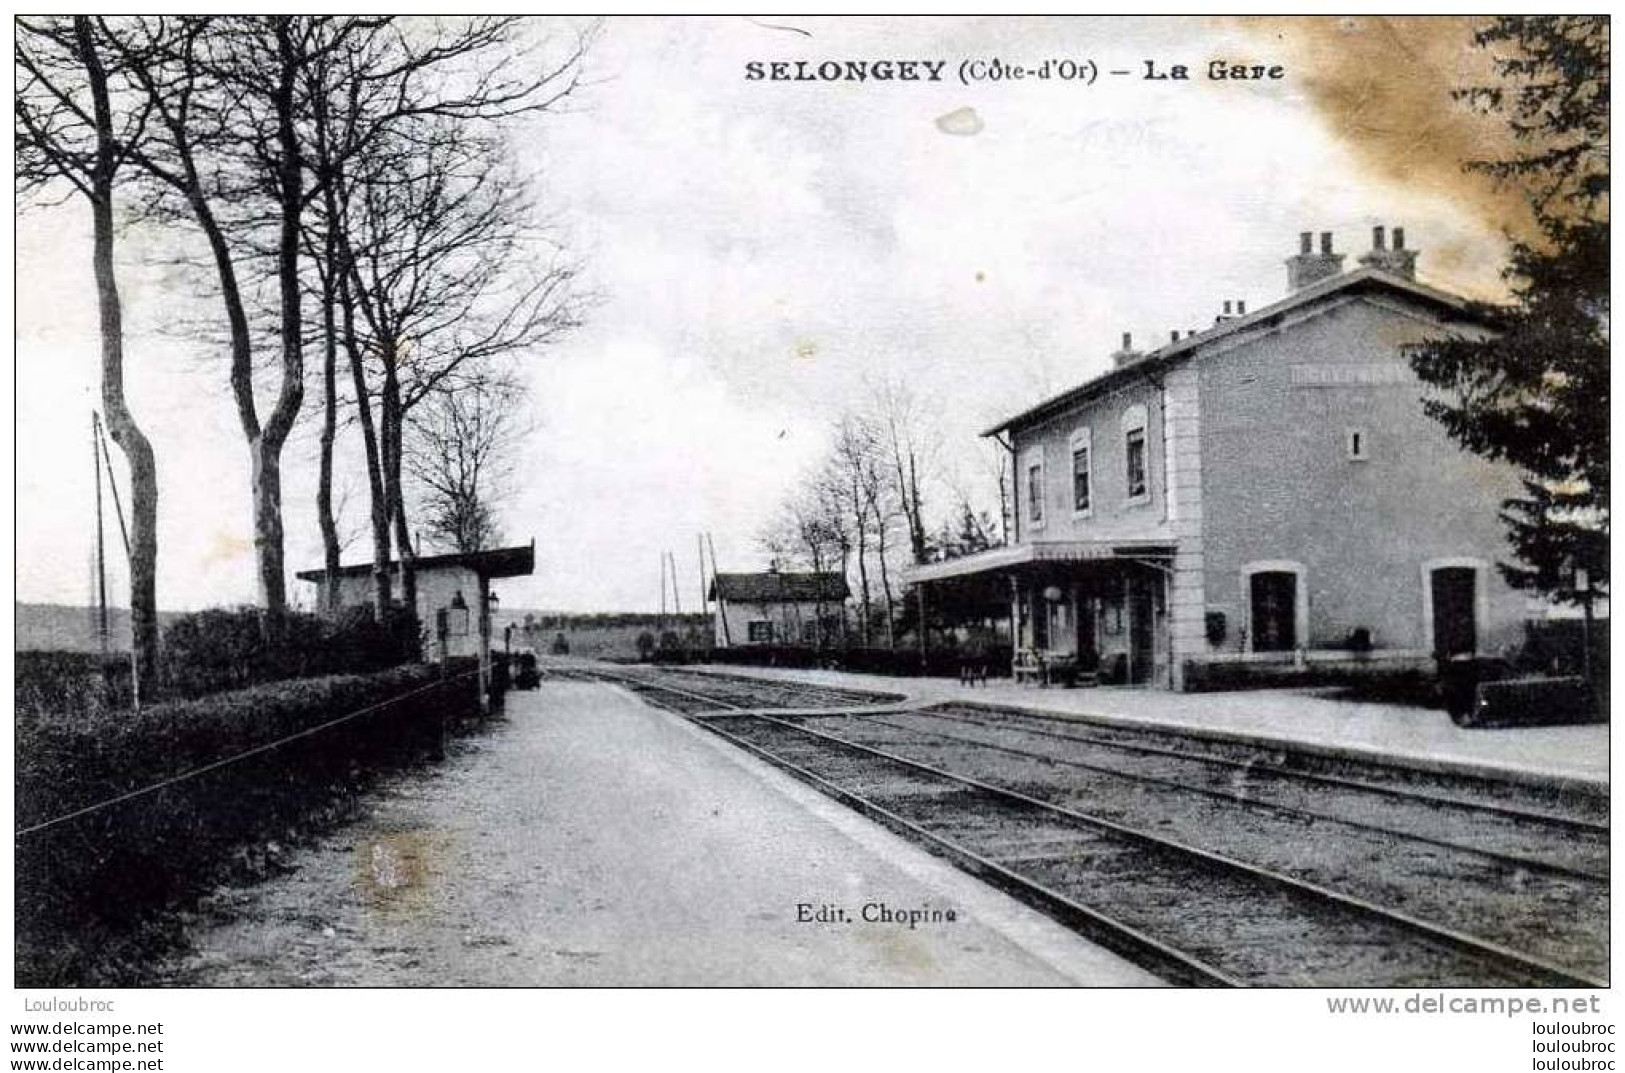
(591, 840)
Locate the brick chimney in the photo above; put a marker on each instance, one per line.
(1394, 259)
(1127, 355)
(1310, 267)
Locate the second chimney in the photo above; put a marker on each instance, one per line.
(1307, 267)
(1127, 355)
(1394, 259)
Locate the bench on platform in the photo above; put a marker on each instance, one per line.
(1046, 668)
(1027, 666)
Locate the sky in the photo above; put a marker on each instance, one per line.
(759, 255)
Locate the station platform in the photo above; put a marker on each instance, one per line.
(1420, 736)
(590, 839)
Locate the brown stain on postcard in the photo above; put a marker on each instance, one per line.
(225, 547)
(396, 870)
(1385, 88)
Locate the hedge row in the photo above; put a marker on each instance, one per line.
(86, 884)
(231, 648)
(217, 650)
(80, 682)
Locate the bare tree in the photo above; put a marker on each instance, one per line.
(461, 456)
(225, 153)
(881, 511)
(67, 132)
(805, 531)
(450, 276)
(909, 451)
(255, 121)
(850, 462)
(437, 265)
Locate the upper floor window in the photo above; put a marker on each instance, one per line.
(1034, 469)
(1134, 453)
(1081, 472)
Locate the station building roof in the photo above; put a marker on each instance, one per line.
(779, 587)
(1360, 280)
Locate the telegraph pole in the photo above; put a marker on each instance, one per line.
(118, 506)
(705, 601)
(722, 607)
(101, 552)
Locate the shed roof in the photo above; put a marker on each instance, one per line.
(776, 586)
(496, 562)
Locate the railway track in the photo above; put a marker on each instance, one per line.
(1178, 901)
(1538, 840)
(695, 692)
(1578, 809)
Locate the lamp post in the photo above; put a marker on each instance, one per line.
(488, 603)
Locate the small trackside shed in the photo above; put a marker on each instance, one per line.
(779, 608)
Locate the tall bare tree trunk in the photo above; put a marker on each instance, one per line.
(859, 521)
(885, 580)
(915, 510)
(330, 420)
(266, 450)
(330, 268)
(120, 422)
(382, 585)
(395, 494)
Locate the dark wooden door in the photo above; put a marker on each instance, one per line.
(1275, 611)
(1088, 650)
(1455, 611)
(1141, 631)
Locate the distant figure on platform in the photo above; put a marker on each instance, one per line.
(973, 657)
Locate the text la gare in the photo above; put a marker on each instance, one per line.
(1217, 71)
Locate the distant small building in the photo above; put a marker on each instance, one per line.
(779, 608)
(456, 585)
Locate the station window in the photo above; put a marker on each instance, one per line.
(1357, 445)
(760, 632)
(1035, 487)
(1081, 474)
(1134, 456)
(1135, 470)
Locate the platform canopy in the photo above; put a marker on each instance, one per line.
(516, 561)
(1015, 556)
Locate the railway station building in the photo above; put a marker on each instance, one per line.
(1267, 490)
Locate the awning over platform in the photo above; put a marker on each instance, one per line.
(518, 561)
(1014, 556)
